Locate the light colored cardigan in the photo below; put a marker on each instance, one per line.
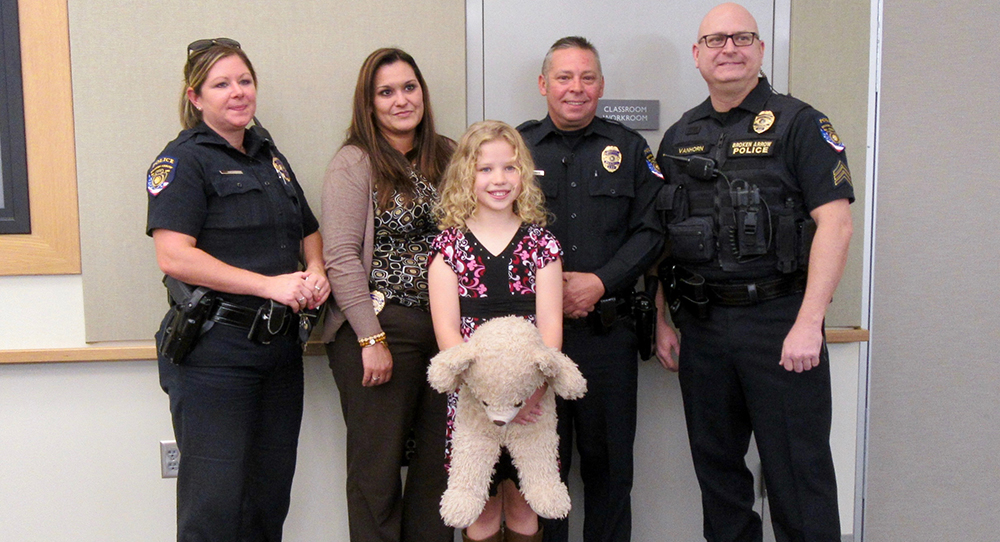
(348, 230)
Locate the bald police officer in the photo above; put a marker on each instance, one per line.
(600, 182)
(758, 224)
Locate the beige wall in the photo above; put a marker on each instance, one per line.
(934, 465)
(828, 68)
(127, 61)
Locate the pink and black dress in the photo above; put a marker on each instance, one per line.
(491, 286)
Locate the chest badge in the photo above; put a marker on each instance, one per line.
(280, 168)
(611, 157)
(763, 121)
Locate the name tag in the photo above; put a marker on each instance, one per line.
(232, 172)
(755, 147)
(539, 173)
(690, 149)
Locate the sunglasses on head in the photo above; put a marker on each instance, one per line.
(198, 46)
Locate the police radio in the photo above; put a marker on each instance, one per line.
(749, 235)
(699, 167)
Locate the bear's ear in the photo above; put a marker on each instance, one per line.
(562, 374)
(445, 370)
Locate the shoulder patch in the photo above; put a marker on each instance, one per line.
(651, 163)
(160, 174)
(280, 168)
(831, 137)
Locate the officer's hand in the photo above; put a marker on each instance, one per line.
(800, 351)
(319, 287)
(377, 361)
(668, 345)
(581, 292)
(291, 289)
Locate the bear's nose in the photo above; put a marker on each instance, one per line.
(501, 423)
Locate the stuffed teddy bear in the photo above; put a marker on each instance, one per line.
(496, 370)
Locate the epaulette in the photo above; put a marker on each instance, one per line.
(528, 124)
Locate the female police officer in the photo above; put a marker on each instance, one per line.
(227, 215)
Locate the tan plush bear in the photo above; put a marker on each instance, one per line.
(499, 367)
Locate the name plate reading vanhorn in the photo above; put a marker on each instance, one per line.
(636, 114)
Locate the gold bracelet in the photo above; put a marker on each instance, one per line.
(373, 340)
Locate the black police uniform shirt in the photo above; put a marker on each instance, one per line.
(246, 210)
(600, 183)
(808, 158)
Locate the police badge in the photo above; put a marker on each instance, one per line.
(763, 121)
(611, 157)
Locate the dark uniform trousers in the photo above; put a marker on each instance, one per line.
(379, 419)
(603, 422)
(237, 428)
(733, 385)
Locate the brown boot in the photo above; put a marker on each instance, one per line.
(495, 537)
(511, 536)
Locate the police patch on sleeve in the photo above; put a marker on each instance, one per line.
(829, 134)
(651, 163)
(160, 174)
(280, 168)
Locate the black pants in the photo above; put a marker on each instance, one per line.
(236, 408)
(379, 420)
(604, 424)
(733, 386)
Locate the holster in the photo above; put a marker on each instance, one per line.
(188, 319)
(644, 312)
(682, 288)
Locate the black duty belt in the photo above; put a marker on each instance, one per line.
(751, 293)
(606, 311)
(239, 316)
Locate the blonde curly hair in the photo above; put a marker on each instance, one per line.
(458, 202)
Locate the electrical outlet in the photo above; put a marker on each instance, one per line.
(170, 459)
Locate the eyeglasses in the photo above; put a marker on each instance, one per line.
(718, 41)
(198, 46)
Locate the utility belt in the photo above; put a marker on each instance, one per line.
(194, 311)
(636, 306)
(683, 288)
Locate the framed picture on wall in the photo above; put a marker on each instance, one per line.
(14, 216)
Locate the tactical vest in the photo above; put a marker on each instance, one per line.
(740, 216)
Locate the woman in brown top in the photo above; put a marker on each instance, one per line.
(377, 229)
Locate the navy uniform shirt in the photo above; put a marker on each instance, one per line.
(600, 184)
(812, 152)
(246, 210)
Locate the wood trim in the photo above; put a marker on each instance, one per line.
(835, 335)
(53, 246)
(145, 350)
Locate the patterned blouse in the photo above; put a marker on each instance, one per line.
(403, 236)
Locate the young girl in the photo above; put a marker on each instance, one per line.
(497, 259)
